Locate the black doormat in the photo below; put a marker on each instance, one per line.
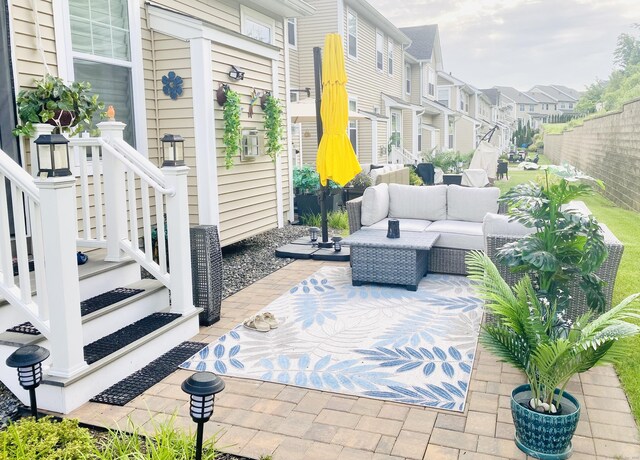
(90, 305)
(138, 382)
(105, 299)
(128, 334)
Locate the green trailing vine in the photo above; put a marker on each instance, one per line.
(231, 116)
(273, 126)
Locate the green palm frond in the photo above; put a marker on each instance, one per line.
(508, 346)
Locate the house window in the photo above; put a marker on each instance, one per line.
(450, 139)
(531, 107)
(293, 96)
(562, 106)
(390, 47)
(353, 125)
(570, 105)
(352, 34)
(443, 96)
(407, 76)
(395, 137)
(420, 141)
(100, 41)
(521, 107)
(257, 25)
(292, 32)
(379, 50)
(464, 101)
(431, 89)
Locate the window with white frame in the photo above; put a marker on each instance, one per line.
(257, 25)
(419, 140)
(101, 51)
(531, 107)
(352, 34)
(293, 96)
(407, 76)
(353, 125)
(292, 32)
(379, 50)
(464, 101)
(521, 107)
(390, 47)
(443, 96)
(570, 105)
(431, 89)
(395, 137)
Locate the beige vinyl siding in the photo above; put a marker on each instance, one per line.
(407, 130)
(27, 57)
(383, 140)
(415, 84)
(465, 139)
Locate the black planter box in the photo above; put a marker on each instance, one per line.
(351, 193)
(310, 204)
(452, 179)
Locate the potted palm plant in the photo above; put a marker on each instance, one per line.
(535, 325)
(68, 107)
(532, 335)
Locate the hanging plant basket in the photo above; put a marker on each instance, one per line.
(62, 119)
(221, 94)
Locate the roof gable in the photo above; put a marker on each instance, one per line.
(423, 40)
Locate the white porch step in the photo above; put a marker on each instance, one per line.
(64, 395)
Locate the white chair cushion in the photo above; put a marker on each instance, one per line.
(375, 204)
(406, 225)
(458, 234)
(412, 202)
(499, 224)
(471, 204)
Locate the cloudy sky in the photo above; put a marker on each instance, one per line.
(521, 43)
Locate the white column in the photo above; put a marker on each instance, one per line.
(179, 240)
(287, 104)
(57, 207)
(416, 127)
(204, 130)
(374, 141)
(275, 90)
(115, 196)
(41, 128)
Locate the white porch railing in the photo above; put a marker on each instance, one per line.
(122, 195)
(24, 210)
(402, 155)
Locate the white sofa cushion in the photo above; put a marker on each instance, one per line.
(406, 225)
(471, 204)
(375, 204)
(499, 224)
(458, 234)
(412, 202)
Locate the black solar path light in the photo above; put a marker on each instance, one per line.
(202, 387)
(28, 361)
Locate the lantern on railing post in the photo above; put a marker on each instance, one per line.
(172, 150)
(53, 155)
(28, 360)
(202, 387)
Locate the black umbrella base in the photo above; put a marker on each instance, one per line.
(302, 248)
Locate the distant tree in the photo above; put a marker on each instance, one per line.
(627, 52)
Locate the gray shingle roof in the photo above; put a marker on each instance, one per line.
(557, 91)
(422, 40)
(542, 97)
(492, 94)
(515, 95)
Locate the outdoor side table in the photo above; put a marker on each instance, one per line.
(378, 259)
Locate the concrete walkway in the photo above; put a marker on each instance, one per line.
(254, 418)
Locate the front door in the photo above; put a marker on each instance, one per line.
(8, 142)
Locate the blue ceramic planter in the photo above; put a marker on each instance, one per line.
(543, 436)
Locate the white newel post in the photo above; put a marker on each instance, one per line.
(115, 196)
(40, 128)
(57, 207)
(179, 239)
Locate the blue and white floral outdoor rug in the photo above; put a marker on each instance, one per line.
(374, 341)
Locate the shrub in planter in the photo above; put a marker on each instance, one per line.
(532, 335)
(306, 183)
(70, 108)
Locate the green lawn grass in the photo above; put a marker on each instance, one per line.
(624, 224)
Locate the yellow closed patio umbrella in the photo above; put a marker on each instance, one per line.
(336, 159)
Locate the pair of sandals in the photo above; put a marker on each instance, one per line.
(262, 322)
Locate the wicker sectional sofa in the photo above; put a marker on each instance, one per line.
(455, 212)
(387, 174)
(467, 219)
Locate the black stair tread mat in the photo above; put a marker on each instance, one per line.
(90, 305)
(140, 381)
(125, 336)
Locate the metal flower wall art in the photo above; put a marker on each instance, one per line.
(172, 85)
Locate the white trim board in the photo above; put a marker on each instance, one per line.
(184, 27)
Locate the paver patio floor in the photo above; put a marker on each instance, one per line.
(254, 418)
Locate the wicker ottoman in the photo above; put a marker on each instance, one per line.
(378, 259)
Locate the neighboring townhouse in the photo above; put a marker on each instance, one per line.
(125, 47)
(374, 62)
(423, 61)
(526, 105)
(462, 126)
(566, 98)
(503, 115)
